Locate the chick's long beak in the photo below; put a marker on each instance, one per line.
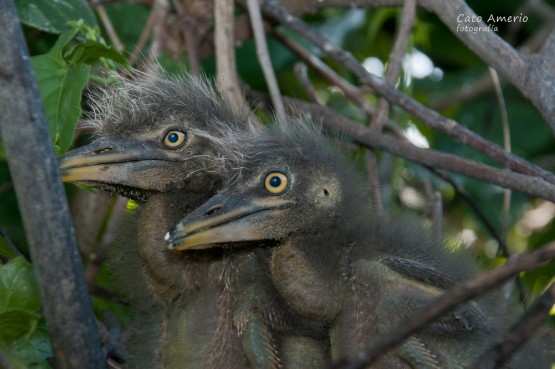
(107, 161)
(224, 220)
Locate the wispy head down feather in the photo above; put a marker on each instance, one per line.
(138, 101)
(298, 138)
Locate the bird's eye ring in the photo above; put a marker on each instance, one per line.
(276, 182)
(174, 138)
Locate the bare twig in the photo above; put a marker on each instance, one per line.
(302, 75)
(227, 79)
(264, 57)
(116, 41)
(396, 58)
(186, 25)
(507, 194)
(507, 145)
(392, 74)
(519, 333)
(191, 40)
(426, 115)
(161, 8)
(352, 92)
(504, 178)
(441, 305)
(153, 25)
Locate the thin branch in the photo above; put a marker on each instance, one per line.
(507, 194)
(191, 41)
(449, 300)
(226, 69)
(353, 93)
(519, 333)
(153, 25)
(426, 115)
(114, 38)
(302, 75)
(396, 58)
(392, 74)
(504, 178)
(162, 8)
(264, 57)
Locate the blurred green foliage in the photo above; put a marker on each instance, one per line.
(23, 337)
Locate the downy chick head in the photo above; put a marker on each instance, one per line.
(285, 180)
(153, 134)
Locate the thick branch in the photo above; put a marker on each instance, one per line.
(42, 201)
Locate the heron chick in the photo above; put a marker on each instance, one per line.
(334, 262)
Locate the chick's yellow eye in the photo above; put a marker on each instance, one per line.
(276, 182)
(174, 138)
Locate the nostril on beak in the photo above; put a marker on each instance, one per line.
(102, 151)
(213, 210)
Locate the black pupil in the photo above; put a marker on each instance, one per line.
(173, 137)
(275, 181)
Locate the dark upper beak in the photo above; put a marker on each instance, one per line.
(114, 161)
(224, 219)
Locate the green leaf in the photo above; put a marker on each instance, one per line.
(69, 104)
(62, 75)
(35, 348)
(61, 87)
(18, 289)
(53, 15)
(91, 51)
(16, 323)
(29, 351)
